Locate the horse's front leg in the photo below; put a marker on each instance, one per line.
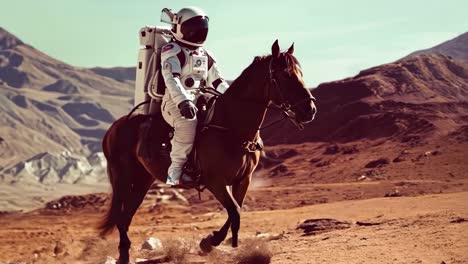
(224, 196)
(234, 215)
(215, 239)
(239, 191)
(219, 236)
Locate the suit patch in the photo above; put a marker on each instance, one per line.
(167, 67)
(167, 47)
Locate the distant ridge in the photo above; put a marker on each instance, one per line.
(456, 48)
(8, 40)
(120, 74)
(420, 95)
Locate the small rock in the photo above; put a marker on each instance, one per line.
(318, 226)
(164, 197)
(268, 236)
(361, 223)
(377, 163)
(350, 149)
(314, 160)
(458, 220)
(333, 149)
(394, 193)
(59, 248)
(323, 163)
(110, 260)
(362, 178)
(152, 243)
(177, 196)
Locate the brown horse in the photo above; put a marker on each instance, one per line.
(223, 151)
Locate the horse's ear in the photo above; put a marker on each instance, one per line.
(291, 49)
(275, 49)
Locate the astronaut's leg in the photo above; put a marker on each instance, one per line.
(182, 142)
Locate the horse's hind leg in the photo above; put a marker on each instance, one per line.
(124, 245)
(140, 185)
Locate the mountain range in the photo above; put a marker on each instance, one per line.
(50, 107)
(421, 93)
(53, 115)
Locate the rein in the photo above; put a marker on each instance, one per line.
(285, 106)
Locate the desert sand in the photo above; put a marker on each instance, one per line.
(424, 229)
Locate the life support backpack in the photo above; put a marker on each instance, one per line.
(149, 83)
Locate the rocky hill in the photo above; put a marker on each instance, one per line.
(423, 94)
(48, 108)
(456, 48)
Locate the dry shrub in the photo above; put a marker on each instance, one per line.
(177, 249)
(254, 251)
(151, 254)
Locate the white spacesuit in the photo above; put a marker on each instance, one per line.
(185, 67)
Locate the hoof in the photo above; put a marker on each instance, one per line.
(205, 244)
(213, 239)
(234, 242)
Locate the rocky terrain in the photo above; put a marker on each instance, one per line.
(422, 229)
(379, 177)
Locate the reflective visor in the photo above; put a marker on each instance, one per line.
(195, 29)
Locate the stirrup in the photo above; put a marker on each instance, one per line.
(186, 182)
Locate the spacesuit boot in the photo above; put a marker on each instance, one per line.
(180, 151)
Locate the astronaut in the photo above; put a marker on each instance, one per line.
(185, 67)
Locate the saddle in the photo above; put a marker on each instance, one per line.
(155, 136)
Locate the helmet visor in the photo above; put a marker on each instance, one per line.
(195, 29)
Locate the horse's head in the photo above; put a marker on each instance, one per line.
(287, 87)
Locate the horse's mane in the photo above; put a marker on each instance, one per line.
(244, 77)
(292, 66)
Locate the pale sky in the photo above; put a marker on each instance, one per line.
(333, 39)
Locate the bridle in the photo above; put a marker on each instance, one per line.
(284, 104)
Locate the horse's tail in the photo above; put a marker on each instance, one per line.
(111, 146)
(110, 220)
